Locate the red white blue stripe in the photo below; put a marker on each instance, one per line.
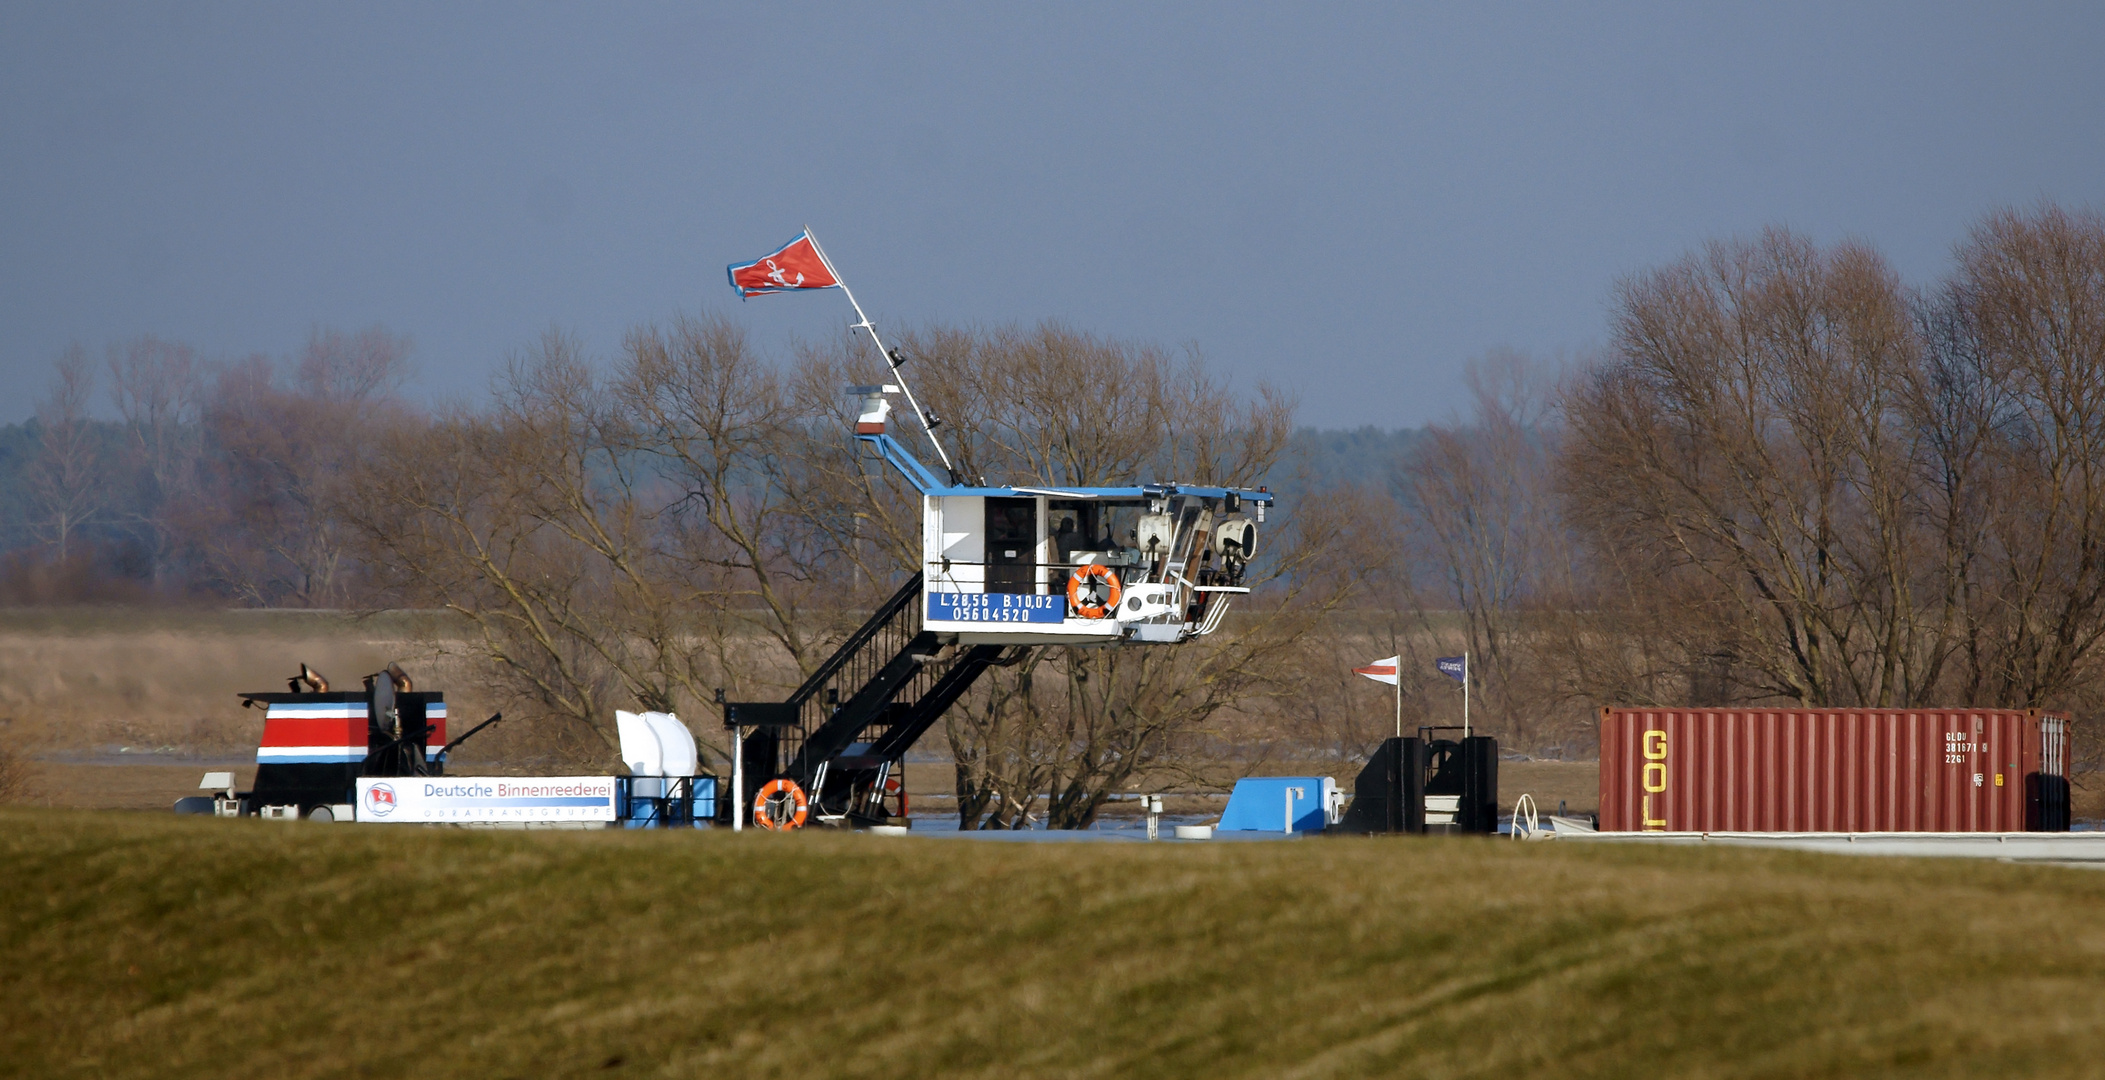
(330, 732)
(322, 732)
(435, 715)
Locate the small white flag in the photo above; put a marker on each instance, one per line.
(1381, 671)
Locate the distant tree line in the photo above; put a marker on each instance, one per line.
(215, 479)
(1787, 478)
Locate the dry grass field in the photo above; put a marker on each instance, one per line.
(124, 708)
(145, 679)
(151, 946)
(83, 689)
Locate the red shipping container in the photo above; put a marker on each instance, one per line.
(1833, 770)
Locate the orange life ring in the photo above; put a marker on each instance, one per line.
(776, 795)
(894, 786)
(1094, 590)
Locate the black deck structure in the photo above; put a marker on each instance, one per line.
(388, 751)
(842, 732)
(1389, 796)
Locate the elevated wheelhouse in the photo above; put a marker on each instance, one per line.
(1147, 564)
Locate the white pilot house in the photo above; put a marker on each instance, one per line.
(1151, 564)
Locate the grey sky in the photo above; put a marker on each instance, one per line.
(1347, 200)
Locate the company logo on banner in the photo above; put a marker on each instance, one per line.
(997, 607)
(486, 798)
(1454, 667)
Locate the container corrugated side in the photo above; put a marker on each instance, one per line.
(1829, 770)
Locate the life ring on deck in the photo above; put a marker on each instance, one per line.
(1094, 590)
(780, 805)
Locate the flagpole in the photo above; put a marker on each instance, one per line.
(885, 354)
(1465, 693)
(1399, 695)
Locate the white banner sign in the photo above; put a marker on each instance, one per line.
(420, 799)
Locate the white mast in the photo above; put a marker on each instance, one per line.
(1399, 693)
(885, 354)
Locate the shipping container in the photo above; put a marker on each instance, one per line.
(1833, 770)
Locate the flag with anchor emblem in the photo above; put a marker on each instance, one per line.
(797, 266)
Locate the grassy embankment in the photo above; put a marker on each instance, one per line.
(148, 946)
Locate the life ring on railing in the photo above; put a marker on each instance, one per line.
(780, 805)
(1094, 590)
(894, 786)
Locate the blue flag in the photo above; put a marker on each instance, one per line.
(1454, 667)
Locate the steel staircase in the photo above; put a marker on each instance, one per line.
(860, 712)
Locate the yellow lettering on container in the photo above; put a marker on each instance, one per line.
(1654, 782)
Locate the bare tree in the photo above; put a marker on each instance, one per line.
(1481, 495)
(67, 475)
(1063, 407)
(757, 534)
(267, 527)
(296, 457)
(540, 525)
(157, 386)
(1799, 489)
(340, 367)
(1751, 431)
(2016, 396)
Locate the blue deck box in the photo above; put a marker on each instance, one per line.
(1258, 804)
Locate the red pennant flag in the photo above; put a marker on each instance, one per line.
(797, 266)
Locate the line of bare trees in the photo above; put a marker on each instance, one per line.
(1792, 479)
(1787, 478)
(214, 478)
